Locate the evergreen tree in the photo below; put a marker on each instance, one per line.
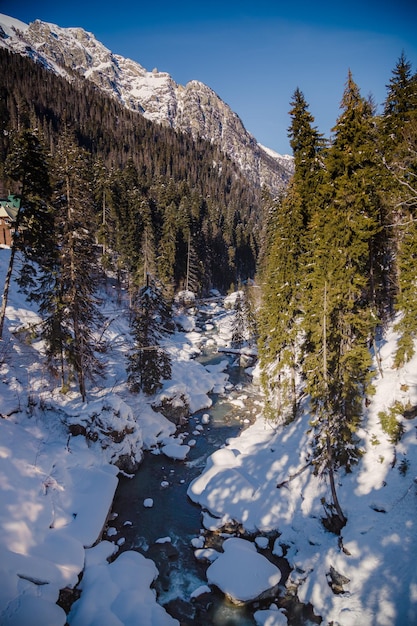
(399, 143)
(280, 309)
(148, 250)
(281, 313)
(194, 270)
(339, 301)
(308, 146)
(401, 100)
(167, 245)
(102, 197)
(70, 307)
(406, 302)
(355, 169)
(27, 164)
(239, 323)
(149, 363)
(243, 326)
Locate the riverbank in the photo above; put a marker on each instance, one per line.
(57, 488)
(150, 509)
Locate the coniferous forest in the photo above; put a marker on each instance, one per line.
(334, 258)
(340, 264)
(151, 186)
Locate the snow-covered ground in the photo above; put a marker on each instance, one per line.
(56, 490)
(377, 552)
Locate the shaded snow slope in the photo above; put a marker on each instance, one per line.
(378, 547)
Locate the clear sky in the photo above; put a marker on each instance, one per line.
(252, 53)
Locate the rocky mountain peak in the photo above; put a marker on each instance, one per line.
(194, 108)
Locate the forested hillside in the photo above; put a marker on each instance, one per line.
(340, 265)
(185, 190)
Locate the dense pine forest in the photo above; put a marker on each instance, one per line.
(340, 265)
(104, 193)
(148, 182)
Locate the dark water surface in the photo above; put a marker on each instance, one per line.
(174, 516)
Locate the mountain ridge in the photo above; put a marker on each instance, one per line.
(194, 108)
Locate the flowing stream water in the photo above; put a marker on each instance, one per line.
(163, 532)
(174, 516)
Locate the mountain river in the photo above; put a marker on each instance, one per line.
(174, 516)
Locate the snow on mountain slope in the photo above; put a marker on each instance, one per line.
(10, 25)
(193, 108)
(286, 160)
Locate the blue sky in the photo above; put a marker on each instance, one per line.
(253, 54)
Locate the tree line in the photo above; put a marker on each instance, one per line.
(339, 263)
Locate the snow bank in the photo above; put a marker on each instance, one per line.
(241, 572)
(53, 505)
(263, 481)
(119, 593)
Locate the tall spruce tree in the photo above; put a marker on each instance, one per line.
(147, 246)
(239, 325)
(401, 100)
(280, 309)
(399, 143)
(339, 302)
(308, 146)
(70, 306)
(102, 196)
(286, 246)
(168, 245)
(355, 171)
(148, 362)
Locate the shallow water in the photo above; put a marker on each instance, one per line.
(174, 516)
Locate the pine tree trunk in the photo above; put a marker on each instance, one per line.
(373, 301)
(79, 361)
(61, 357)
(336, 503)
(293, 384)
(187, 282)
(104, 223)
(330, 462)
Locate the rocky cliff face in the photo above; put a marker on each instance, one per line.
(195, 108)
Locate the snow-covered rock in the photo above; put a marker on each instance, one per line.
(270, 617)
(119, 593)
(176, 451)
(242, 573)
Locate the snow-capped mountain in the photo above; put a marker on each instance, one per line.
(193, 108)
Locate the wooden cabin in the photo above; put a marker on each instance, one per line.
(8, 211)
